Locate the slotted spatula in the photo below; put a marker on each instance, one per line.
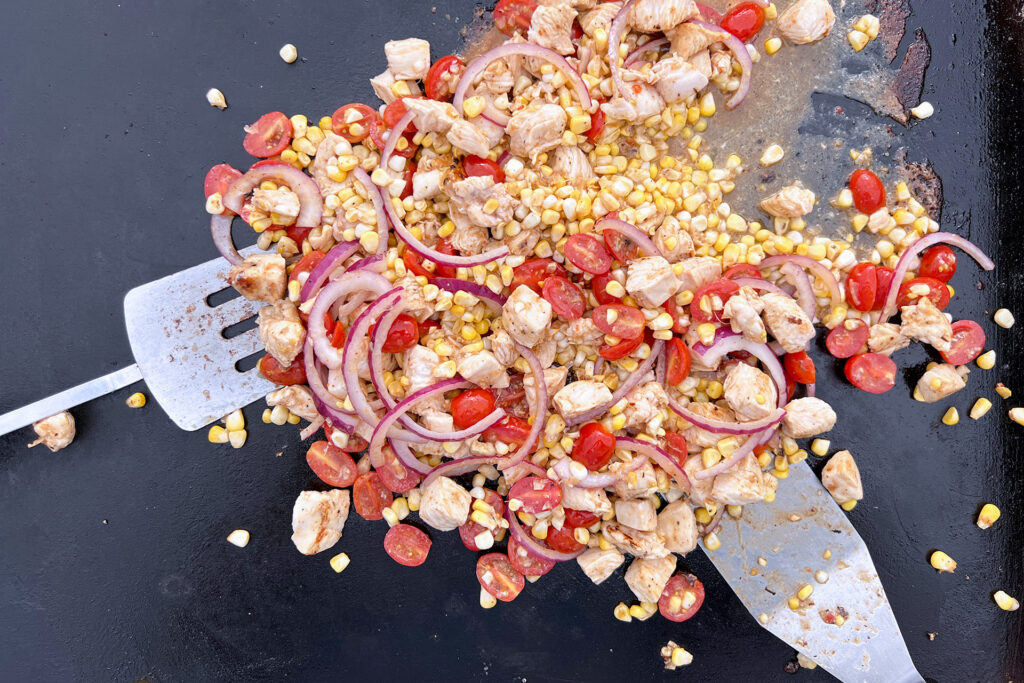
(180, 350)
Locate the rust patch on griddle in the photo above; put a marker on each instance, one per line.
(892, 19)
(909, 81)
(923, 181)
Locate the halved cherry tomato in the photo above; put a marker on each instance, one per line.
(563, 540)
(442, 78)
(620, 350)
(588, 254)
(379, 133)
(868, 191)
(580, 519)
(297, 234)
(218, 179)
(534, 495)
(862, 286)
(355, 444)
(675, 445)
(471, 406)
(306, 264)
(968, 342)
(680, 316)
(444, 246)
(370, 496)
(847, 338)
(338, 335)
(871, 372)
(599, 285)
(883, 280)
(357, 116)
(473, 165)
(498, 577)
(622, 248)
(800, 367)
(470, 530)
(620, 320)
(271, 368)
(566, 298)
(742, 270)
(594, 447)
(414, 263)
(744, 20)
(334, 466)
(514, 15)
(911, 292)
(420, 266)
(512, 399)
(403, 335)
(682, 597)
(677, 361)
(407, 545)
(410, 171)
(509, 429)
(597, 121)
(710, 299)
(525, 563)
(938, 263)
(394, 112)
(534, 272)
(393, 473)
(270, 135)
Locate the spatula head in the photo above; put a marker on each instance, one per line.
(179, 345)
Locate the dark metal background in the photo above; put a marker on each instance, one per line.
(113, 564)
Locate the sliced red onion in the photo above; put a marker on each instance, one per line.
(819, 270)
(393, 135)
(220, 228)
(502, 158)
(350, 359)
(455, 468)
(759, 284)
(532, 545)
(375, 264)
(624, 388)
(325, 402)
(908, 256)
(727, 341)
(632, 233)
(593, 480)
(477, 66)
(311, 429)
(752, 442)
(451, 284)
(715, 521)
(712, 15)
(381, 204)
(634, 56)
(739, 51)
(540, 407)
(616, 32)
(660, 457)
(810, 390)
(797, 276)
(310, 202)
(328, 264)
(363, 281)
(727, 427)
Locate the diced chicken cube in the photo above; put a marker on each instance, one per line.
(792, 201)
(438, 421)
(806, 21)
(599, 564)
(885, 338)
(640, 483)
(297, 398)
(646, 407)
(431, 116)
(416, 304)
(924, 322)
(700, 489)
(939, 382)
(673, 241)
(701, 438)
(571, 163)
(54, 432)
(633, 541)
(583, 331)
(318, 518)
(743, 311)
(579, 397)
(503, 347)
(551, 27)
(690, 39)
(284, 203)
(677, 80)
(477, 203)
(742, 484)
(650, 16)
(600, 17)
(699, 271)
(526, 316)
(260, 277)
(408, 59)
(536, 129)
(787, 322)
(841, 478)
(482, 368)
(554, 380)
(492, 132)
(637, 513)
(647, 578)
(467, 137)
(426, 184)
(419, 366)
(807, 417)
(678, 527)
(383, 85)
(651, 281)
(750, 393)
(444, 505)
(639, 106)
(587, 500)
(281, 331)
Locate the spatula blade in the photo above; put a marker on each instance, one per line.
(792, 534)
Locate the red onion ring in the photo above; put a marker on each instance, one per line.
(615, 34)
(593, 480)
(634, 56)
(797, 276)
(724, 427)
(810, 390)
(454, 468)
(375, 264)
(310, 203)
(820, 271)
(220, 229)
(392, 141)
(631, 232)
(713, 16)
(759, 284)
(715, 521)
(483, 292)
(661, 368)
(334, 258)
(365, 282)
(325, 402)
(624, 388)
(380, 205)
(532, 546)
(540, 406)
(908, 256)
(350, 361)
(739, 50)
(660, 457)
(727, 341)
(752, 442)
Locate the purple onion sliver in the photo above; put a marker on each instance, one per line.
(722, 427)
(451, 284)
(530, 545)
(759, 284)
(454, 468)
(624, 388)
(819, 270)
(310, 202)
(540, 403)
(220, 229)
(323, 270)
(632, 233)
(797, 276)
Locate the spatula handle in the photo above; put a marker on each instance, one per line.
(69, 398)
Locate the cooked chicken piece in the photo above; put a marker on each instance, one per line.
(579, 397)
(438, 421)
(924, 322)
(651, 281)
(580, 5)
(741, 484)
(750, 393)
(638, 106)
(699, 271)
(281, 201)
(472, 210)
(646, 406)
(481, 368)
(640, 483)
(743, 311)
(678, 527)
(841, 478)
(690, 39)
(676, 79)
(939, 382)
(647, 577)
(584, 331)
(503, 347)
(702, 63)
(554, 380)
(551, 27)
(650, 16)
(415, 304)
(492, 132)
(571, 163)
(327, 151)
(791, 201)
(444, 504)
(526, 316)
(600, 17)
(297, 398)
(637, 513)
(431, 116)
(426, 184)
(498, 78)
(383, 86)
(467, 137)
(886, 339)
(318, 518)
(536, 129)
(545, 350)
(281, 331)
(588, 500)
(419, 366)
(701, 438)
(522, 243)
(787, 322)
(55, 432)
(700, 489)
(599, 564)
(408, 59)
(806, 21)
(633, 541)
(674, 242)
(260, 277)
(807, 417)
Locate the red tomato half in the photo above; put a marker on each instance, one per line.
(678, 361)
(911, 292)
(470, 530)
(306, 264)
(271, 368)
(599, 286)
(566, 298)
(334, 466)
(938, 263)
(353, 122)
(597, 121)
(868, 191)
(407, 545)
(370, 496)
(588, 254)
(968, 343)
(620, 320)
(578, 519)
(675, 445)
(883, 280)
(862, 286)
(682, 597)
(622, 248)
(218, 180)
(847, 338)
(471, 406)
(710, 299)
(498, 577)
(403, 335)
(800, 367)
(534, 494)
(393, 473)
(270, 135)
(594, 447)
(563, 540)
(525, 563)
(514, 15)
(509, 429)
(443, 77)
(534, 272)
(394, 112)
(680, 316)
(473, 165)
(744, 20)
(871, 372)
(620, 350)
(742, 270)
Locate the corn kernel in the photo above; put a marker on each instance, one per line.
(923, 110)
(217, 434)
(136, 400)
(849, 505)
(711, 541)
(805, 592)
(794, 603)
(234, 421)
(820, 446)
(821, 576)
(339, 562)
(988, 516)
(621, 612)
(681, 657)
(942, 562)
(239, 537)
(858, 40)
(1003, 318)
(237, 438)
(980, 407)
(1003, 390)
(216, 99)
(473, 106)
(1005, 602)
(773, 154)
(1017, 415)
(772, 45)
(637, 612)
(951, 417)
(288, 53)
(279, 415)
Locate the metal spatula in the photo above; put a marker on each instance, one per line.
(792, 534)
(180, 350)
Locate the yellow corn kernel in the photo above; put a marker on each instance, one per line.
(771, 12)
(711, 541)
(1017, 415)
(987, 360)
(637, 612)
(136, 400)
(1005, 601)
(794, 603)
(942, 562)
(217, 434)
(987, 516)
(619, 422)
(980, 407)
(473, 106)
(294, 419)
(710, 457)
(414, 500)
(707, 105)
(1003, 318)
(714, 390)
(234, 421)
(805, 592)
(266, 416)
(621, 612)
(772, 45)
(237, 438)
(339, 562)
(849, 505)
(1003, 390)
(820, 446)
(951, 417)
(239, 537)
(858, 40)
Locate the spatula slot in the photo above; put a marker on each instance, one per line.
(249, 362)
(222, 296)
(232, 331)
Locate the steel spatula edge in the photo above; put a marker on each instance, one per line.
(792, 534)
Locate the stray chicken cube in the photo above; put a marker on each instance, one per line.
(444, 504)
(647, 577)
(841, 478)
(318, 518)
(599, 564)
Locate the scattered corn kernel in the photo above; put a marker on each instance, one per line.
(820, 446)
(858, 40)
(237, 438)
(235, 421)
(821, 576)
(980, 407)
(988, 516)
(772, 45)
(923, 110)
(217, 434)
(216, 99)
(805, 592)
(849, 505)
(1003, 390)
(621, 612)
(794, 603)
(136, 400)
(1017, 415)
(1003, 318)
(942, 562)
(987, 360)
(712, 542)
(339, 562)
(773, 154)
(681, 657)
(1005, 602)
(951, 417)
(288, 53)
(239, 537)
